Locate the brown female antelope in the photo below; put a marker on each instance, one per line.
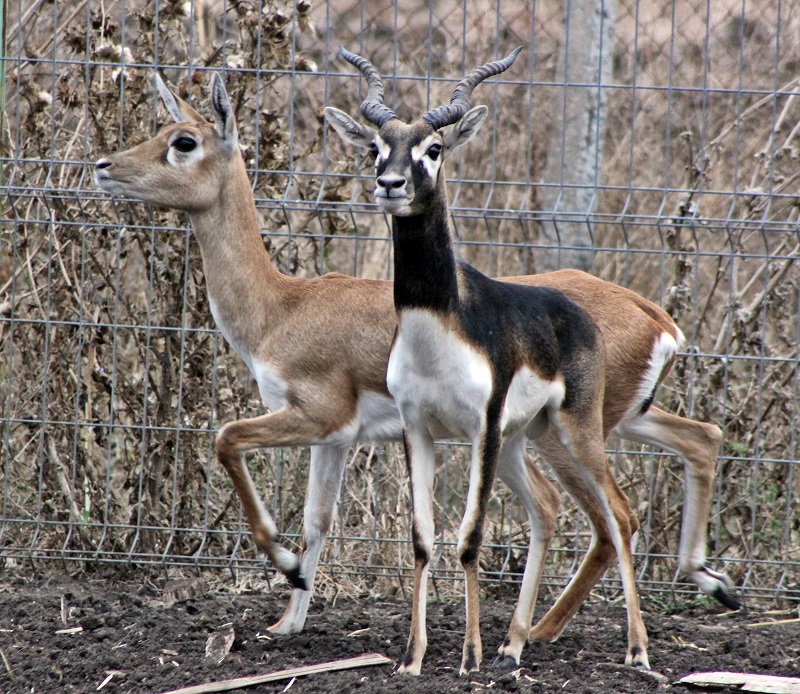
(498, 363)
(326, 390)
(323, 388)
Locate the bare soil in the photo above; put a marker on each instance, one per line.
(128, 632)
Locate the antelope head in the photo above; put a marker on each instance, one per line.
(409, 157)
(187, 164)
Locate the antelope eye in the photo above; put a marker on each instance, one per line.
(184, 144)
(434, 151)
(373, 149)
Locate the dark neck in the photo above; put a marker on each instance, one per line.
(424, 263)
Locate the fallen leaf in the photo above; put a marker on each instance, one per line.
(219, 643)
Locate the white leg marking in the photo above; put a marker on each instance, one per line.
(663, 352)
(324, 483)
(513, 471)
(421, 463)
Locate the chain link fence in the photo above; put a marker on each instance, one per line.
(681, 182)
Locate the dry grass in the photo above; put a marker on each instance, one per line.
(111, 376)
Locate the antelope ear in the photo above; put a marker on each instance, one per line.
(349, 129)
(223, 113)
(180, 111)
(465, 129)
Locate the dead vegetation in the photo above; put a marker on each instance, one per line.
(112, 379)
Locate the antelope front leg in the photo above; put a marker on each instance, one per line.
(540, 499)
(420, 462)
(286, 427)
(322, 493)
(485, 454)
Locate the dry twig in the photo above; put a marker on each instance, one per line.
(367, 660)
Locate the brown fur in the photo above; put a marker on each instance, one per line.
(299, 326)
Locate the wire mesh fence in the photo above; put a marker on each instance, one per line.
(682, 184)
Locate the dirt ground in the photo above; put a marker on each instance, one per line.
(126, 632)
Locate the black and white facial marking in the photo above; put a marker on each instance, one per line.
(408, 157)
(408, 161)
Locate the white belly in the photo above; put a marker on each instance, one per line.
(376, 419)
(271, 387)
(527, 396)
(439, 382)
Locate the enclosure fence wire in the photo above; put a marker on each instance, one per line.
(654, 144)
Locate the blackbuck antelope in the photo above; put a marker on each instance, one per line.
(562, 363)
(327, 390)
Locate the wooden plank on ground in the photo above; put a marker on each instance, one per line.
(747, 682)
(773, 623)
(183, 590)
(367, 660)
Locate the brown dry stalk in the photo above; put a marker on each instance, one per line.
(749, 315)
(368, 660)
(6, 663)
(751, 109)
(777, 623)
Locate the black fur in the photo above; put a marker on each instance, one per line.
(471, 662)
(727, 598)
(420, 553)
(296, 578)
(470, 553)
(425, 275)
(635, 654)
(409, 656)
(491, 444)
(724, 594)
(647, 403)
(513, 324)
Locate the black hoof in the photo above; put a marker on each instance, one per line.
(297, 579)
(727, 598)
(506, 662)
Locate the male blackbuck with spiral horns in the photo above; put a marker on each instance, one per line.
(326, 390)
(498, 363)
